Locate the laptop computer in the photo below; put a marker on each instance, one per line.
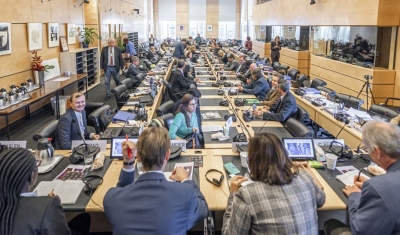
(116, 147)
(299, 149)
(150, 97)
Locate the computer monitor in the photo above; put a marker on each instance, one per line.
(299, 149)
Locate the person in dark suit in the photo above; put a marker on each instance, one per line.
(72, 125)
(133, 71)
(259, 87)
(180, 49)
(152, 205)
(110, 64)
(241, 68)
(374, 204)
(181, 83)
(232, 64)
(234, 43)
(22, 211)
(287, 106)
(247, 78)
(276, 46)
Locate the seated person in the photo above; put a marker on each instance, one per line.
(181, 84)
(247, 75)
(22, 211)
(280, 195)
(374, 204)
(189, 56)
(348, 50)
(163, 48)
(241, 68)
(272, 98)
(259, 87)
(197, 94)
(217, 48)
(152, 54)
(234, 43)
(361, 45)
(233, 64)
(133, 71)
(223, 56)
(151, 204)
(72, 125)
(286, 107)
(185, 121)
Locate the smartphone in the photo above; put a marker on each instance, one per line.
(198, 152)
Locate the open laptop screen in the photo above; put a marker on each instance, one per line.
(299, 149)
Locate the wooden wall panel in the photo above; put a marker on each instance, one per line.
(325, 12)
(182, 18)
(212, 17)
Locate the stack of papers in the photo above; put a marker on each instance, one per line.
(354, 112)
(211, 128)
(188, 166)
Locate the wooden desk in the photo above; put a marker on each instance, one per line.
(51, 87)
(326, 120)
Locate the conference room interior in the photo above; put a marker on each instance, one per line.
(315, 41)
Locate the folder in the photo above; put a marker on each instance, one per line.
(123, 116)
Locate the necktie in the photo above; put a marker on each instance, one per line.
(111, 57)
(238, 69)
(81, 126)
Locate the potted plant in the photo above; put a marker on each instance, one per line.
(120, 44)
(88, 35)
(39, 69)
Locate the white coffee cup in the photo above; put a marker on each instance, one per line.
(331, 160)
(243, 158)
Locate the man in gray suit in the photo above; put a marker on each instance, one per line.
(110, 64)
(374, 205)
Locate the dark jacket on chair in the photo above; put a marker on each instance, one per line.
(180, 83)
(286, 108)
(68, 129)
(119, 64)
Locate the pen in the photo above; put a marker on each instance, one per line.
(359, 173)
(129, 150)
(51, 194)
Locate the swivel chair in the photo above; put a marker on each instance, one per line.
(120, 93)
(47, 131)
(165, 108)
(95, 121)
(350, 101)
(298, 129)
(317, 82)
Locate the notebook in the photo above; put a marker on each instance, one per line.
(299, 149)
(123, 116)
(67, 190)
(348, 177)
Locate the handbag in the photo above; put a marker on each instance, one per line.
(79, 152)
(193, 140)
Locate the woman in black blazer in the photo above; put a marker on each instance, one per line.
(276, 46)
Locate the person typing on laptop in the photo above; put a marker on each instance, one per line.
(72, 125)
(151, 204)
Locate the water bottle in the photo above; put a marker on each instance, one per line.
(151, 82)
(254, 107)
(139, 167)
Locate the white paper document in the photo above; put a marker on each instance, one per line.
(188, 166)
(348, 177)
(68, 190)
(211, 128)
(353, 112)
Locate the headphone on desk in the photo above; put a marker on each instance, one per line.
(240, 102)
(224, 103)
(89, 188)
(215, 181)
(342, 117)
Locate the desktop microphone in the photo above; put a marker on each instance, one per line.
(240, 135)
(239, 102)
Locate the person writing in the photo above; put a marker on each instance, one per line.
(272, 97)
(151, 204)
(72, 125)
(286, 107)
(259, 87)
(276, 46)
(282, 200)
(374, 204)
(22, 211)
(185, 121)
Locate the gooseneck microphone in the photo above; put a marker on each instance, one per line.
(263, 126)
(82, 136)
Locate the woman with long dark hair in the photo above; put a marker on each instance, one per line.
(21, 211)
(185, 121)
(282, 200)
(276, 46)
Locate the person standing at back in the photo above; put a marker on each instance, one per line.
(276, 46)
(248, 44)
(151, 41)
(130, 49)
(180, 49)
(73, 125)
(110, 64)
(151, 204)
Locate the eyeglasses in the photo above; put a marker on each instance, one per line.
(193, 105)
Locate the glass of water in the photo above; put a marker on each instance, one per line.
(88, 159)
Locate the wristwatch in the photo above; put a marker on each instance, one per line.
(130, 163)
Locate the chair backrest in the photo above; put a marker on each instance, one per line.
(141, 76)
(120, 95)
(92, 106)
(350, 101)
(383, 111)
(47, 131)
(168, 119)
(165, 108)
(302, 115)
(317, 82)
(94, 118)
(297, 129)
(326, 90)
(128, 83)
(293, 74)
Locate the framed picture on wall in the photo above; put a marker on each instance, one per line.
(53, 32)
(71, 32)
(181, 27)
(64, 44)
(35, 36)
(209, 28)
(5, 38)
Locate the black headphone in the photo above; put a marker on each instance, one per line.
(241, 137)
(214, 181)
(227, 84)
(220, 92)
(224, 103)
(342, 117)
(215, 84)
(318, 102)
(223, 78)
(89, 188)
(342, 153)
(247, 116)
(232, 92)
(234, 119)
(240, 102)
(212, 78)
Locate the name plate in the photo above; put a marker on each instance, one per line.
(102, 144)
(236, 144)
(179, 143)
(14, 144)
